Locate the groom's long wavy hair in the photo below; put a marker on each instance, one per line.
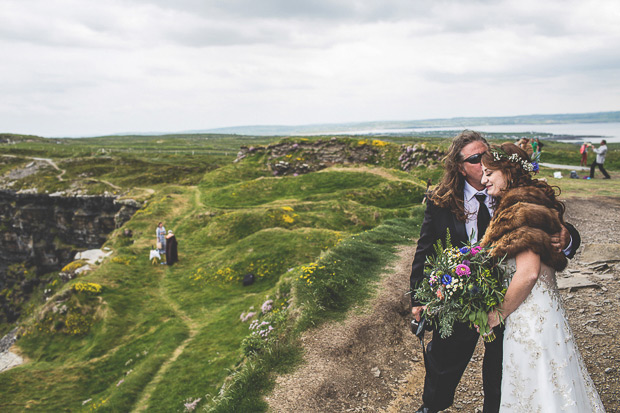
(516, 176)
(449, 192)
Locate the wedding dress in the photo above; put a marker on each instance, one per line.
(542, 368)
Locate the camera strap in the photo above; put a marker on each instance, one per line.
(419, 333)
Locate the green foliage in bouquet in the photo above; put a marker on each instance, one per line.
(461, 285)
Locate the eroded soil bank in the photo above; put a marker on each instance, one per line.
(372, 363)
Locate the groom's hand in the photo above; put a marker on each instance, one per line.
(560, 240)
(417, 312)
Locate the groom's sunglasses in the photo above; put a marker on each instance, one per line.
(474, 159)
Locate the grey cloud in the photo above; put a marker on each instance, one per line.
(601, 64)
(345, 10)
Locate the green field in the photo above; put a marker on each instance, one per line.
(134, 336)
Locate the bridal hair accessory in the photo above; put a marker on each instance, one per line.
(527, 166)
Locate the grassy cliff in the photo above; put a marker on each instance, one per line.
(131, 335)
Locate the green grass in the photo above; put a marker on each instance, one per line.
(272, 226)
(317, 244)
(568, 154)
(583, 188)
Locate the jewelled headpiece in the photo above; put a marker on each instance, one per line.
(499, 154)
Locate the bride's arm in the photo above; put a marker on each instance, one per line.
(524, 279)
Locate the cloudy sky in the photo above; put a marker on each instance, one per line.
(85, 67)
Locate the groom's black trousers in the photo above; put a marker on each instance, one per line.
(446, 360)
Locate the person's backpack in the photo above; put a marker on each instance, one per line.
(573, 175)
(248, 279)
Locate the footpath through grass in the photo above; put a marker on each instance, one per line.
(152, 338)
(135, 336)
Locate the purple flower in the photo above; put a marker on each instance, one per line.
(190, 406)
(267, 306)
(462, 270)
(475, 250)
(245, 317)
(466, 262)
(446, 279)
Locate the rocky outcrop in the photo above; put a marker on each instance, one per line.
(44, 232)
(417, 155)
(294, 158)
(299, 157)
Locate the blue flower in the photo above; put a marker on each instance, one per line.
(464, 250)
(446, 279)
(535, 166)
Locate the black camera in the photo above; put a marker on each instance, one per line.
(418, 327)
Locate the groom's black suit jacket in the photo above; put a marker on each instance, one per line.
(445, 360)
(437, 222)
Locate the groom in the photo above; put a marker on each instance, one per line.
(460, 204)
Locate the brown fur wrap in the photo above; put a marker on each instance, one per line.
(524, 220)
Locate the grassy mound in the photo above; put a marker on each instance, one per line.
(133, 335)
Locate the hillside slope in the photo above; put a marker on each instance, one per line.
(131, 335)
(372, 362)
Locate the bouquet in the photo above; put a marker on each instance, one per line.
(461, 285)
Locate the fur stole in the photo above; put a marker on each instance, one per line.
(524, 220)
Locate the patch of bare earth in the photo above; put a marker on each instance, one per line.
(372, 363)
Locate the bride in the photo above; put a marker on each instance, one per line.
(542, 368)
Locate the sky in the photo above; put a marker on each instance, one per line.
(86, 68)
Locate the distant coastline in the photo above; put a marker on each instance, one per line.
(507, 123)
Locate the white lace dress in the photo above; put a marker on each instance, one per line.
(542, 368)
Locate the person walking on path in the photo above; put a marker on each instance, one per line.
(601, 152)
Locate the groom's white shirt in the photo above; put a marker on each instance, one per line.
(471, 209)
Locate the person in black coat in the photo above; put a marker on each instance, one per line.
(171, 249)
(461, 206)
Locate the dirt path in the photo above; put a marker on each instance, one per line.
(384, 173)
(372, 363)
(193, 327)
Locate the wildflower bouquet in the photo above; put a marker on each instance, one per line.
(461, 285)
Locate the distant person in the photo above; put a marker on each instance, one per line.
(524, 143)
(171, 248)
(161, 238)
(601, 152)
(535, 147)
(584, 153)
